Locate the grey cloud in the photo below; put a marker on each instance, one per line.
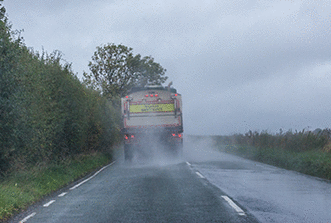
(239, 64)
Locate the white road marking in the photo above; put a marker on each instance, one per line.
(64, 193)
(28, 217)
(61, 195)
(84, 181)
(49, 203)
(234, 206)
(188, 163)
(200, 175)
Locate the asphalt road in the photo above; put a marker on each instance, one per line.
(203, 186)
(269, 193)
(141, 193)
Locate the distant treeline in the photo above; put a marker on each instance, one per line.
(46, 113)
(294, 141)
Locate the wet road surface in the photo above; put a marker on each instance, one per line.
(271, 194)
(141, 193)
(203, 186)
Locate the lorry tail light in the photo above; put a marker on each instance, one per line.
(177, 135)
(173, 96)
(152, 95)
(156, 95)
(146, 95)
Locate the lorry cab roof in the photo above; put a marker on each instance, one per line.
(152, 87)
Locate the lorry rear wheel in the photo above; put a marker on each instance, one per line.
(128, 153)
(178, 150)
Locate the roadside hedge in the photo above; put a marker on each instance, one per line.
(46, 114)
(304, 151)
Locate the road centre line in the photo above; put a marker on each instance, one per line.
(188, 163)
(49, 203)
(200, 175)
(61, 195)
(28, 217)
(84, 181)
(234, 206)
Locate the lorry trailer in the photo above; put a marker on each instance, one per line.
(152, 121)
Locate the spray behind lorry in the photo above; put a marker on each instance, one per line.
(152, 120)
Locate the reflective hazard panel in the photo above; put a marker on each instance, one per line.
(152, 108)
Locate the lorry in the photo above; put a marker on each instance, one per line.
(152, 122)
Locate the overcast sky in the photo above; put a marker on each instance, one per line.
(239, 64)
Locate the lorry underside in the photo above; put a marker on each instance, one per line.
(152, 142)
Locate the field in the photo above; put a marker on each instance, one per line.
(305, 152)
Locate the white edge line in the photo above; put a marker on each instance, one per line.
(28, 217)
(64, 193)
(200, 175)
(49, 203)
(188, 163)
(61, 195)
(234, 206)
(84, 181)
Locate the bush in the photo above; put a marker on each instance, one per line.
(9, 51)
(306, 152)
(46, 114)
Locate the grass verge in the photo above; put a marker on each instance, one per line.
(315, 163)
(23, 188)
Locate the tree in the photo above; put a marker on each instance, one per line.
(9, 55)
(2, 11)
(114, 70)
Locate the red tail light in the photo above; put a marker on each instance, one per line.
(175, 135)
(146, 95)
(132, 136)
(156, 95)
(126, 137)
